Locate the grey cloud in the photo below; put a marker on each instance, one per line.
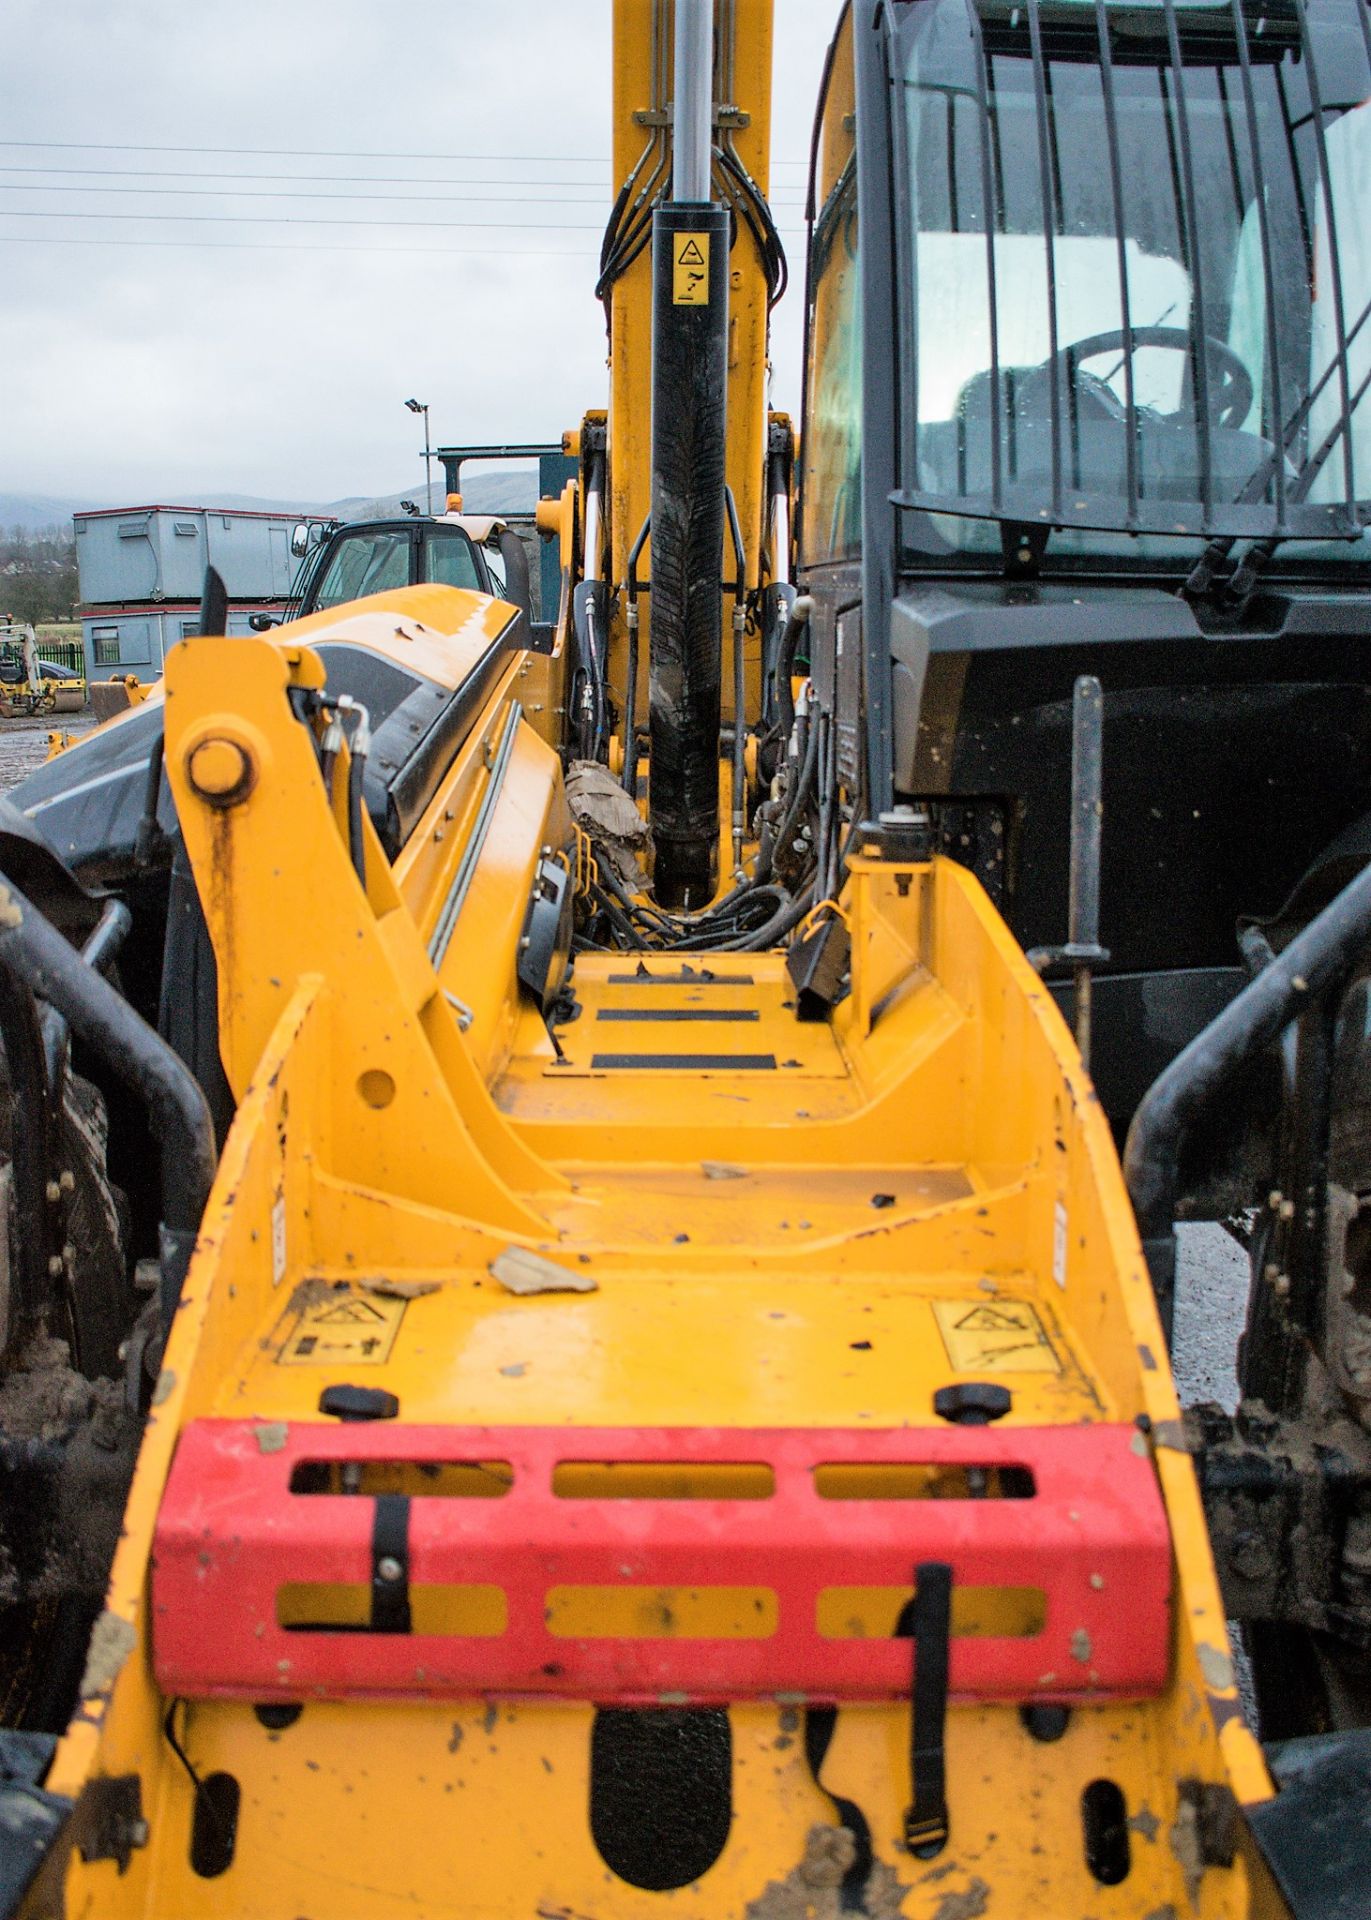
(132, 369)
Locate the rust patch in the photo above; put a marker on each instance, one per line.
(1185, 1844)
(814, 1889)
(1215, 1665)
(308, 1294)
(968, 1905)
(112, 1640)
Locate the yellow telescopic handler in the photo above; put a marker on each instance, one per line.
(588, 1258)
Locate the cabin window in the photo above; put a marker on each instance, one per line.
(832, 455)
(365, 563)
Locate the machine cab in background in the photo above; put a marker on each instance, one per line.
(374, 556)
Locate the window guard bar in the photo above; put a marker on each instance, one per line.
(991, 214)
(1111, 127)
(1049, 205)
(1268, 270)
(1199, 330)
(1325, 177)
(1297, 179)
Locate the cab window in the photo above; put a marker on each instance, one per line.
(365, 563)
(450, 561)
(832, 493)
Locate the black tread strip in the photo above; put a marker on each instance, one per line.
(699, 1062)
(680, 980)
(678, 1013)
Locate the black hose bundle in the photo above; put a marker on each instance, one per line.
(629, 227)
(754, 914)
(748, 203)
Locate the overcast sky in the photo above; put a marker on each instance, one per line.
(146, 356)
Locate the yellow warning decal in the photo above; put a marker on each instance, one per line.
(340, 1328)
(995, 1336)
(690, 269)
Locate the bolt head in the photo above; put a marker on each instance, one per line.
(388, 1568)
(220, 772)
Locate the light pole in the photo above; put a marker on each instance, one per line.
(421, 406)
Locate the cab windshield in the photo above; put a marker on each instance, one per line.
(1136, 277)
(363, 563)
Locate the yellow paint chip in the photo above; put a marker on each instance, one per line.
(341, 1328)
(995, 1336)
(690, 269)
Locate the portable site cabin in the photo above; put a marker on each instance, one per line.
(142, 571)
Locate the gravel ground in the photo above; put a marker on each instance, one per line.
(24, 743)
(1211, 1305)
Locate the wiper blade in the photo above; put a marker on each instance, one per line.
(1243, 579)
(1204, 575)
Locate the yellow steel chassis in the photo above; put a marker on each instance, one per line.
(381, 1134)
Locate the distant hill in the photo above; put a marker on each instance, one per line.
(498, 490)
(35, 511)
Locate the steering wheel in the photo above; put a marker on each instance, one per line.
(1230, 384)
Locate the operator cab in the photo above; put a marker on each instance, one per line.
(1087, 392)
(477, 552)
(374, 556)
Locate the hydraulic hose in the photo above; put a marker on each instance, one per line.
(795, 799)
(777, 926)
(356, 841)
(785, 660)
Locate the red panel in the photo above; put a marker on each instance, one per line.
(230, 1533)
